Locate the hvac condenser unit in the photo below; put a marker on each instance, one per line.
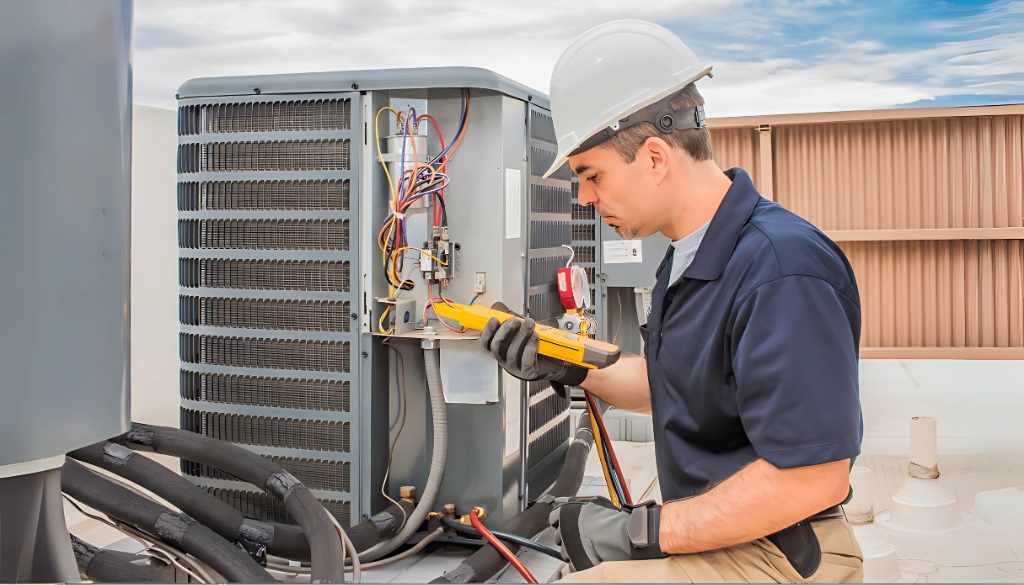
(294, 342)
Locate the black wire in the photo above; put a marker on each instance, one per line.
(506, 536)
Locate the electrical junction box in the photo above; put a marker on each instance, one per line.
(282, 196)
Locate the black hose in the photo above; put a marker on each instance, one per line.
(225, 520)
(177, 530)
(507, 537)
(111, 566)
(324, 541)
(486, 562)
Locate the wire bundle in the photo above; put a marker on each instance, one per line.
(617, 490)
(413, 184)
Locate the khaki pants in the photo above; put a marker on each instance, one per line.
(754, 562)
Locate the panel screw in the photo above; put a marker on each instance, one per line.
(365, 354)
(355, 86)
(256, 91)
(354, 316)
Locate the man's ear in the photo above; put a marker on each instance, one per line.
(658, 157)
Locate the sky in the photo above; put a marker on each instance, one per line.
(769, 57)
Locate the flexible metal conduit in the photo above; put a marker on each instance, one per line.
(178, 530)
(486, 562)
(439, 413)
(324, 541)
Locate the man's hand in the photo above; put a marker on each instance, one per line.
(514, 344)
(592, 530)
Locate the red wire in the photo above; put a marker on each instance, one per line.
(611, 450)
(444, 163)
(502, 548)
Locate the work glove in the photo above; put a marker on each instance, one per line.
(514, 344)
(591, 531)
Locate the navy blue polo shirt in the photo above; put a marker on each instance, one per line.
(753, 353)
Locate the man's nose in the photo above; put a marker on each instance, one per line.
(587, 194)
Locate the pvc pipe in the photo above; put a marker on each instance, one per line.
(860, 509)
(439, 413)
(923, 448)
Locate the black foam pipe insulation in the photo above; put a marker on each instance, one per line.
(280, 541)
(164, 524)
(325, 544)
(487, 562)
(110, 566)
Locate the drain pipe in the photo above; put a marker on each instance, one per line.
(439, 413)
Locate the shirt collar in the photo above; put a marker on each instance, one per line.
(720, 240)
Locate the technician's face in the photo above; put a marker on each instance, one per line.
(617, 190)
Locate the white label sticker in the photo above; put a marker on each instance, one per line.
(513, 204)
(622, 251)
(513, 412)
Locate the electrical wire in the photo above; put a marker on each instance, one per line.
(167, 553)
(612, 494)
(473, 300)
(419, 546)
(613, 459)
(430, 304)
(400, 384)
(506, 536)
(501, 548)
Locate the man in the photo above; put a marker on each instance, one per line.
(751, 343)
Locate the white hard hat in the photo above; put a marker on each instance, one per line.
(613, 71)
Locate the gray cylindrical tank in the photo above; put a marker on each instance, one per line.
(65, 227)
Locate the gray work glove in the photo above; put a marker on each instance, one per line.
(514, 344)
(591, 531)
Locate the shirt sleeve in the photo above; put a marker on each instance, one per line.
(795, 352)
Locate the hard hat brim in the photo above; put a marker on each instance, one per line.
(563, 155)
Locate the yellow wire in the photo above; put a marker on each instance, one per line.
(600, 454)
(400, 250)
(380, 323)
(380, 155)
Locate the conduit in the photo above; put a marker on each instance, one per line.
(324, 542)
(486, 562)
(111, 566)
(178, 530)
(439, 414)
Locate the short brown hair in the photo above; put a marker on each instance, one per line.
(696, 142)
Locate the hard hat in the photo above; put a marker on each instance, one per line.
(611, 73)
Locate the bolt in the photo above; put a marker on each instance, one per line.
(256, 91)
(449, 511)
(354, 316)
(355, 86)
(366, 354)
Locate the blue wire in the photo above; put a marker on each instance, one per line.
(473, 300)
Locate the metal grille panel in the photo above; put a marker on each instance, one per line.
(260, 506)
(545, 270)
(264, 234)
(584, 232)
(264, 274)
(585, 254)
(315, 474)
(297, 393)
(550, 234)
(547, 409)
(548, 199)
(583, 211)
(251, 352)
(265, 313)
(265, 431)
(544, 306)
(264, 195)
(265, 155)
(548, 442)
(325, 114)
(541, 160)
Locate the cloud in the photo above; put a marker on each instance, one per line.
(770, 57)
